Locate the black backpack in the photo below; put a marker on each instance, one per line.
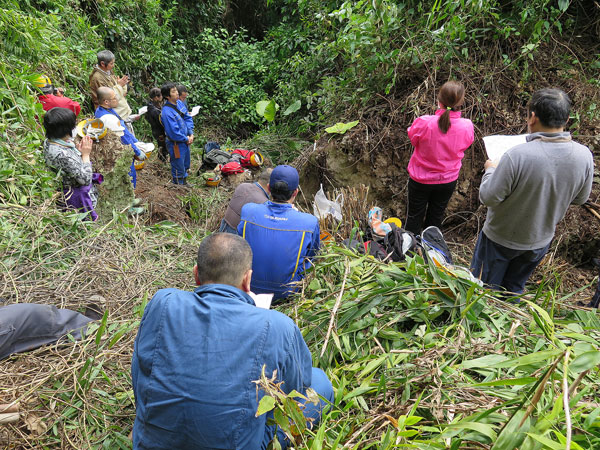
(213, 156)
(399, 243)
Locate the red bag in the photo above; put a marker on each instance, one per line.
(231, 168)
(247, 158)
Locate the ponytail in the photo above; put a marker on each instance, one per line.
(451, 96)
(444, 121)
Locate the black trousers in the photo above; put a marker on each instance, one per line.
(426, 204)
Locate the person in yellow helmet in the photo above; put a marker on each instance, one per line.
(54, 98)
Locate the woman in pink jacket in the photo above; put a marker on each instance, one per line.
(440, 142)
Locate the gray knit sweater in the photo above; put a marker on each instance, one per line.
(532, 187)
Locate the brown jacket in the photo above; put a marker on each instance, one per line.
(99, 78)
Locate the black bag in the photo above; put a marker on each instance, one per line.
(399, 243)
(373, 248)
(432, 238)
(213, 156)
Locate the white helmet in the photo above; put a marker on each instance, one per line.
(113, 123)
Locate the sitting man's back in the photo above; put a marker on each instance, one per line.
(197, 353)
(282, 239)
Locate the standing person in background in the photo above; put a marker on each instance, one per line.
(179, 129)
(183, 95)
(440, 142)
(528, 192)
(54, 98)
(153, 117)
(103, 76)
(107, 98)
(72, 162)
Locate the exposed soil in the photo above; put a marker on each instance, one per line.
(377, 151)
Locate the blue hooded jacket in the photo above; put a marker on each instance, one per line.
(127, 138)
(282, 240)
(177, 128)
(195, 357)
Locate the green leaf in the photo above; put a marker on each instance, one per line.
(292, 108)
(482, 428)
(534, 358)
(267, 109)
(547, 442)
(591, 418)
(508, 382)
(512, 436)
(585, 361)
(267, 403)
(484, 362)
(341, 128)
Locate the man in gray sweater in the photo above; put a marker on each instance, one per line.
(256, 192)
(528, 192)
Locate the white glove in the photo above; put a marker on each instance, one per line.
(142, 156)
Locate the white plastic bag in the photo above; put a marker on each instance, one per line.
(324, 207)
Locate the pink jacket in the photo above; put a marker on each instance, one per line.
(437, 157)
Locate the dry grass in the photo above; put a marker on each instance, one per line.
(77, 395)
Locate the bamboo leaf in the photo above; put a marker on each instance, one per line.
(266, 404)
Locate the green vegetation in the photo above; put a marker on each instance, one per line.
(418, 359)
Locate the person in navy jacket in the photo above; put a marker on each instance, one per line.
(283, 240)
(179, 129)
(197, 354)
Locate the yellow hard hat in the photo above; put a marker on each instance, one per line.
(93, 128)
(213, 181)
(257, 159)
(395, 221)
(42, 81)
(139, 165)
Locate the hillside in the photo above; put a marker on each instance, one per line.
(419, 358)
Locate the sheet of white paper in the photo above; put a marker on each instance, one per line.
(143, 110)
(262, 300)
(195, 110)
(498, 144)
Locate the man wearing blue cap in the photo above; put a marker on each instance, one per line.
(282, 239)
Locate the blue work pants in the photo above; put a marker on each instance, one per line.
(504, 268)
(225, 228)
(179, 166)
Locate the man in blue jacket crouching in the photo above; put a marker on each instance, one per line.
(197, 353)
(283, 239)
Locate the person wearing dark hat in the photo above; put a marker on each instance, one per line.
(283, 240)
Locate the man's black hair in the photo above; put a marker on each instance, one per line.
(551, 106)
(280, 192)
(59, 122)
(181, 89)
(154, 92)
(105, 56)
(223, 258)
(165, 89)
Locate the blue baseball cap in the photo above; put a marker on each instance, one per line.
(287, 174)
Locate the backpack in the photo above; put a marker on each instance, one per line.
(213, 156)
(372, 248)
(435, 247)
(399, 242)
(247, 158)
(231, 168)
